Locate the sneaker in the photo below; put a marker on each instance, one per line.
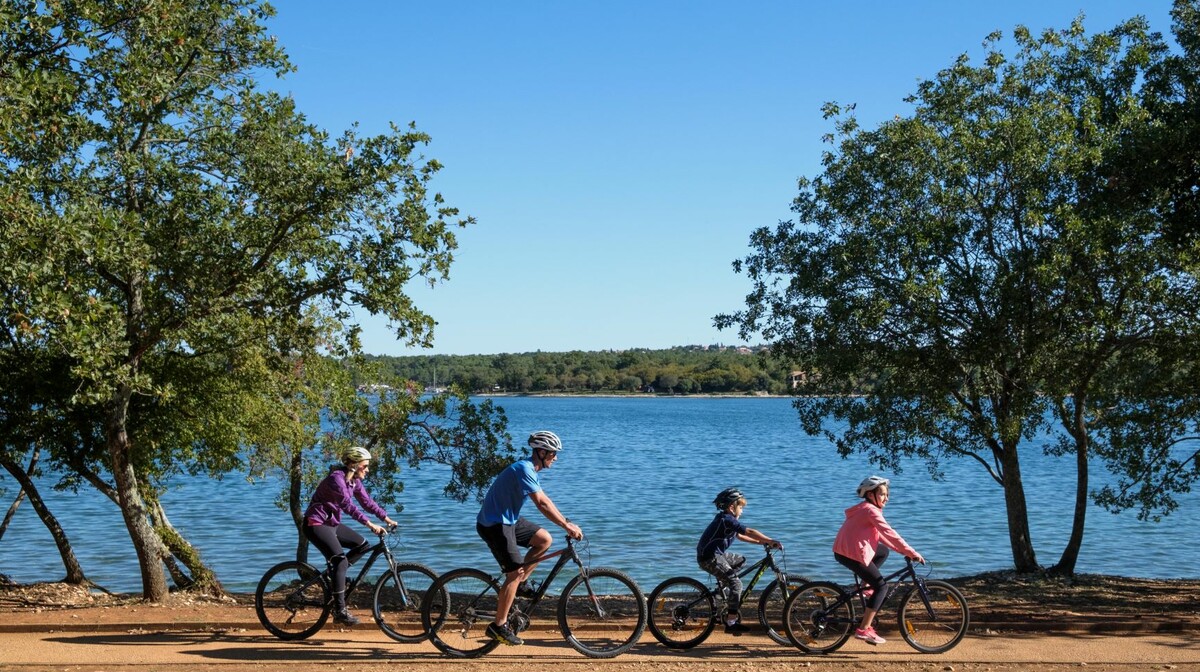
(504, 635)
(869, 636)
(736, 629)
(344, 617)
(867, 593)
(526, 590)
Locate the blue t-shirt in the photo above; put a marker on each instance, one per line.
(719, 534)
(503, 501)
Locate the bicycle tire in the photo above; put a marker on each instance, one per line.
(771, 605)
(605, 620)
(813, 623)
(286, 612)
(682, 612)
(397, 607)
(457, 610)
(940, 627)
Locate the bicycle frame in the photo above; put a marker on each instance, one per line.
(380, 548)
(564, 556)
(758, 568)
(903, 576)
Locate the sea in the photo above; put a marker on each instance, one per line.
(639, 475)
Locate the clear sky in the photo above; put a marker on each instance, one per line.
(618, 154)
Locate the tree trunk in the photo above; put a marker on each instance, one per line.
(1070, 554)
(201, 579)
(12, 510)
(295, 488)
(75, 573)
(1024, 558)
(145, 541)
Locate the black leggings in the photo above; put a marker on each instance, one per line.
(870, 574)
(330, 541)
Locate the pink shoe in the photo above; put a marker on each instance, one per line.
(869, 636)
(867, 593)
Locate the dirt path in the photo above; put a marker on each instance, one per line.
(362, 650)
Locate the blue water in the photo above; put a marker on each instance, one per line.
(639, 475)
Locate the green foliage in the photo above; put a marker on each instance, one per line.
(964, 278)
(680, 370)
(182, 250)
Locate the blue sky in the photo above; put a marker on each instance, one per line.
(617, 155)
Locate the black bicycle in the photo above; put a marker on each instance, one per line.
(601, 611)
(933, 615)
(683, 611)
(294, 599)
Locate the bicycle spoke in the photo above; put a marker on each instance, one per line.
(939, 626)
(682, 612)
(603, 616)
(397, 606)
(816, 620)
(291, 601)
(457, 610)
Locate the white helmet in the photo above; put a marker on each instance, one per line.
(355, 454)
(545, 440)
(870, 483)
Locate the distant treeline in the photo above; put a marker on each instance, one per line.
(679, 370)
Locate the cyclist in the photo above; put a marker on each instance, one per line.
(862, 545)
(323, 525)
(713, 556)
(500, 524)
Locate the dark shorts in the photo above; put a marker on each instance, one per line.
(506, 541)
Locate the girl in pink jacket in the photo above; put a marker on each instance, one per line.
(862, 545)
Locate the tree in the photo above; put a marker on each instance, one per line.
(953, 285)
(171, 226)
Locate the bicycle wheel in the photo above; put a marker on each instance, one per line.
(682, 612)
(816, 620)
(292, 600)
(456, 611)
(939, 626)
(397, 606)
(771, 605)
(605, 619)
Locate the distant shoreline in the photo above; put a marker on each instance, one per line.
(636, 395)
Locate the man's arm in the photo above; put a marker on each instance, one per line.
(542, 501)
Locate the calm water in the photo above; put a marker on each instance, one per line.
(639, 475)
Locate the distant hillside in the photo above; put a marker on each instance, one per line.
(680, 370)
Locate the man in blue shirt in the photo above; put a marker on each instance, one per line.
(500, 524)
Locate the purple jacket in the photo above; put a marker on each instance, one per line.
(334, 495)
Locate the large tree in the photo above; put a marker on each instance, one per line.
(177, 238)
(955, 284)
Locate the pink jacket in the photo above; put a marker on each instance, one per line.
(863, 530)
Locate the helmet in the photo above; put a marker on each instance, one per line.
(727, 497)
(355, 454)
(870, 483)
(545, 440)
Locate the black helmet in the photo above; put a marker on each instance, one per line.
(728, 497)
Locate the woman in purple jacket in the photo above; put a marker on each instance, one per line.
(323, 522)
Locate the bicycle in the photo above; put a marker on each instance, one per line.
(683, 611)
(294, 599)
(933, 615)
(601, 612)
